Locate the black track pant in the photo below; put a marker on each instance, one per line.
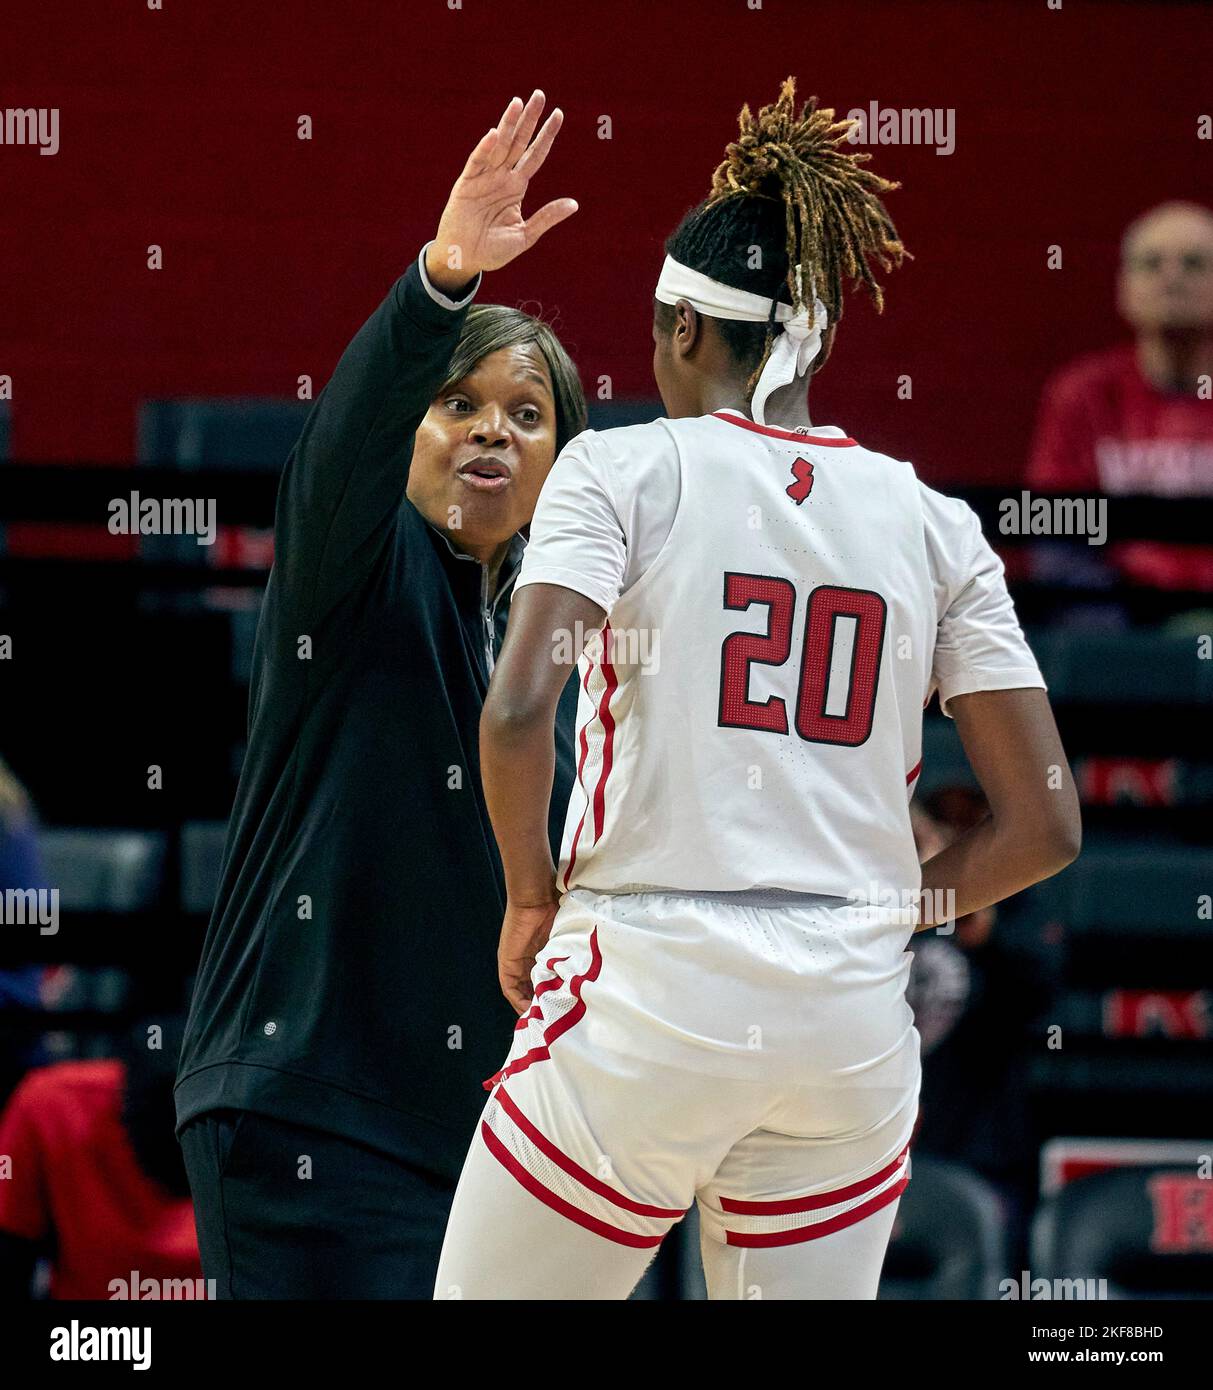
(288, 1212)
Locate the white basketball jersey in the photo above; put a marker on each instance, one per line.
(752, 717)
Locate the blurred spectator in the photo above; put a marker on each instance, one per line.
(94, 1178)
(1134, 418)
(975, 993)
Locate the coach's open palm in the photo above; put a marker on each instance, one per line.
(483, 217)
(524, 933)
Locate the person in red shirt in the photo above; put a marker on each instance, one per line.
(1139, 418)
(91, 1174)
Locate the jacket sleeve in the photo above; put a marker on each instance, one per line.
(346, 476)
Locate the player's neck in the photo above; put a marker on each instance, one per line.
(785, 409)
(1175, 361)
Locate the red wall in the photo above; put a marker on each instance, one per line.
(178, 127)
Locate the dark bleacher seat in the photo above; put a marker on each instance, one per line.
(943, 759)
(610, 415)
(1121, 890)
(201, 856)
(948, 1240)
(83, 989)
(1147, 1230)
(1122, 668)
(249, 433)
(105, 870)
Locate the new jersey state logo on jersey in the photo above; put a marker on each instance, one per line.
(802, 471)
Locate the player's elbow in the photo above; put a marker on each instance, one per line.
(1051, 837)
(510, 716)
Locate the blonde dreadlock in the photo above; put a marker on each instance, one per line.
(834, 224)
(835, 220)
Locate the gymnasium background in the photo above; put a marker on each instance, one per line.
(179, 128)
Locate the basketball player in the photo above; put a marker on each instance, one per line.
(711, 992)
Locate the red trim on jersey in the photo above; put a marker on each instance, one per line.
(818, 1199)
(783, 434)
(585, 748)
(558, 1204)
(607, 720)
(542, 1052)
(819, 1228)
(574, 1169)
(913, 772)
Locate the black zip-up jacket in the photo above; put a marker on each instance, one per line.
(348, 980)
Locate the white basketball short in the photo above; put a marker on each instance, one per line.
(759, 1060)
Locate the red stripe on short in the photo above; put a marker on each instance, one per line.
(913, 772)
(574, 1169)
(819, 1228)
(540, 1053)
(819, 1199)
(558, 1204)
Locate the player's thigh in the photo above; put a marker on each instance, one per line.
(504, 1242)
(809, 1215)
(845, 1264)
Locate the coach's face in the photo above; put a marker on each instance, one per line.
(484, 448)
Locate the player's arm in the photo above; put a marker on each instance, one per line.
(990, 684)
(517, 760)
(348, 472)
(1034, 828)
(574, 570)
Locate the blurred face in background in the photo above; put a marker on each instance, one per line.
(1166, 275)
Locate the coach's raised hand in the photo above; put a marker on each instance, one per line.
(482, 226)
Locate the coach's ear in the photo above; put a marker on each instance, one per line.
(827, 346)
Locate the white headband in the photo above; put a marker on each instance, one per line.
(793, 350)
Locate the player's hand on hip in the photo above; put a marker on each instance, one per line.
(524, 933)
(482, 226)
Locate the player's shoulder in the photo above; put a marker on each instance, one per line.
(624, 440)
(626, 455)
(941, 508)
